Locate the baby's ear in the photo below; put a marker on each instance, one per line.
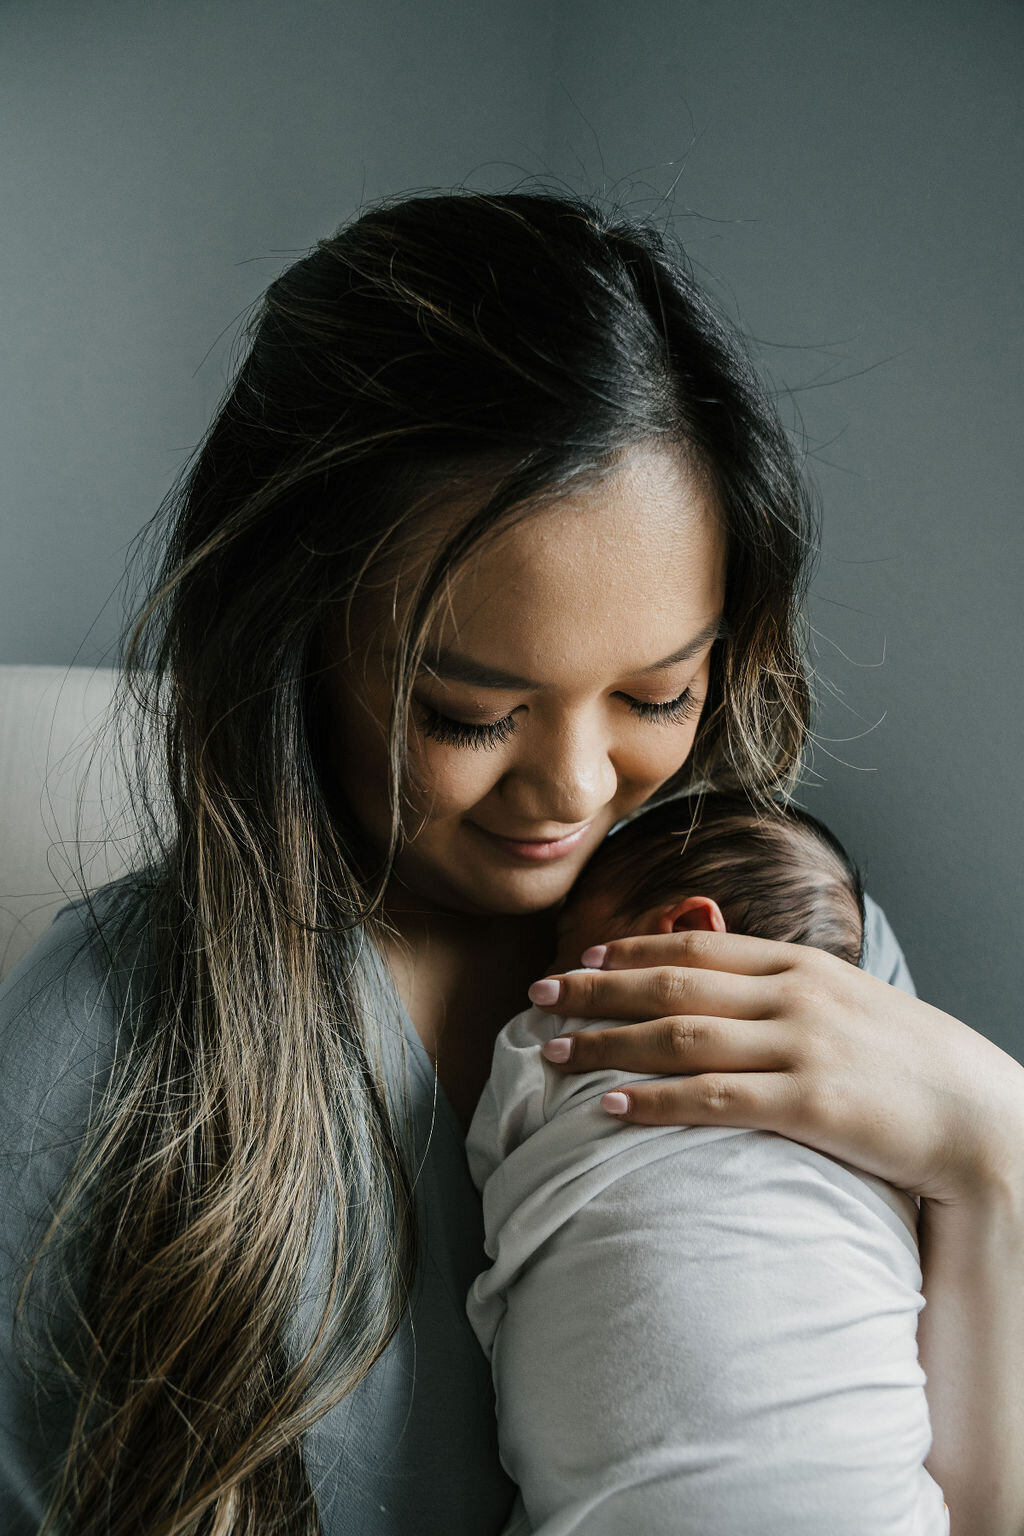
(691, 912)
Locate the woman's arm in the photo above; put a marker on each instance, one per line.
(970, 1341)
(789, 1039)
(973, 1309)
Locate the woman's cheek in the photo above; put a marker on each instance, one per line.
(652, 762)
(657, 752)
(445, 780)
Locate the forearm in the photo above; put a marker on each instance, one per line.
(971, 1347)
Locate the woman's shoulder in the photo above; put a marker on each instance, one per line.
(59, 1011)
(882, 955)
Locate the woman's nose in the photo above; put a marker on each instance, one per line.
(569, 779)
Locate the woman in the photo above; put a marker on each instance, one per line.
(494, 539)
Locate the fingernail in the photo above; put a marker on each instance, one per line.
(545, 992)
(593, 958)
(615, 1103)
(557, 1050)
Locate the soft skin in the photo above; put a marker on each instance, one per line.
(581, 599)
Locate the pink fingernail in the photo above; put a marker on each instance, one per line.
(545, 992)
(557, 1050)
(593, 958)
(615, 1103)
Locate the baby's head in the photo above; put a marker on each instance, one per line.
(712, 861)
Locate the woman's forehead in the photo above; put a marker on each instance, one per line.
(625, 569)
(615, 539)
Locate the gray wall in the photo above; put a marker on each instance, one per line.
(160, 164)
(849, 188)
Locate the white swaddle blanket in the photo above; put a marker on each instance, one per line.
(693, 1330)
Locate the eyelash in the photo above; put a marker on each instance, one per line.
(456, 733)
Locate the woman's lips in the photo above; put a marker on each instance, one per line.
(537, 851)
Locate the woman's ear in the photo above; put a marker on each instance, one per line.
(691, 912)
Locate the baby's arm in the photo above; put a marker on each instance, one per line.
(695, 1329)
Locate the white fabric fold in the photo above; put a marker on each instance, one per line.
(692, 1329)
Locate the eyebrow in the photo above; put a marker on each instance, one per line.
(452, 667)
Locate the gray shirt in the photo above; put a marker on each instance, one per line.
(413, 1450)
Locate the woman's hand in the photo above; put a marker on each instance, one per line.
(786, 1038)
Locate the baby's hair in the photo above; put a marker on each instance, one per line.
(775, 874)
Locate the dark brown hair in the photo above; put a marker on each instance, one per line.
(512, 344)
(776, 874)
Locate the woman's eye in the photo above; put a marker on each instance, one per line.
(673, 712)
(458, 733)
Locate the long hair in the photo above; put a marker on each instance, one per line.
(510, 344)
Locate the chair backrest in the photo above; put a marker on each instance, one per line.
(49, 763)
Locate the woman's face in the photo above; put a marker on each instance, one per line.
(565, 682)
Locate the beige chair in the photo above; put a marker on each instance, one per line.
(49, 721)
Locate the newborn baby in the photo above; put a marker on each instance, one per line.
(695, 1330)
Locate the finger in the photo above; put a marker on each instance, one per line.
(766, 1101)
(655, 993)
(698, 949)
(680, 1044)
